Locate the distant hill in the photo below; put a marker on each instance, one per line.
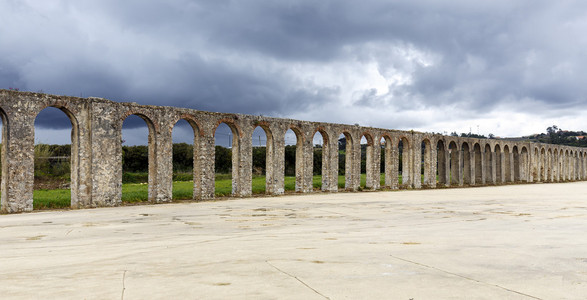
(555, 135)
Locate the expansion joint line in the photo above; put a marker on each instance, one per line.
(296, 278)
(464, 277)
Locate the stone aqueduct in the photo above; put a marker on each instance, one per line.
(96, 168)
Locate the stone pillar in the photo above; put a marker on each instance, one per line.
(243, 157)
(432, 169)
(493, 174)
(330, 166)
(393, 162)
(455, 167)
(276, 161)
(376, 162)
(352, 162)
(106, 141)
(499, 169)
(164, 162)
(81, 158)
(18, 161)
(416, 141)
(305, 161)
(443, 166)
(207, 152)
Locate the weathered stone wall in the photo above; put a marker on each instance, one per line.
(427, 160)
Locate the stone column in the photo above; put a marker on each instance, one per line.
(352, 162)
(207, 152)
(277, 161)
(18, 159)
(106, 157)
(164, 162)
(305, 161)
(330, 166)
(376, 162)
(243, 175)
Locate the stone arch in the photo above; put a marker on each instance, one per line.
(478, 164)
(428, 178)
(75, 151)
(466, 154)
(442, 161)
(152, 153)
(498, 164)
(404, 150)
(488, 174)
(234, 140)
(455, 160)
(196, 167)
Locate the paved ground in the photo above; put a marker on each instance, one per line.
(509, 242)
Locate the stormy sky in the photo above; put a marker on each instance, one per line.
(505, 67)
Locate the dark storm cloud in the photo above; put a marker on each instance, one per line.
(253, 56)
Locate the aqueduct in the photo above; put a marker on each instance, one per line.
(428, 160)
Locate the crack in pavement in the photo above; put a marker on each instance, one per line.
(296, 278)
(464, 277)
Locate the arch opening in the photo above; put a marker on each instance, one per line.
(386, 162)
(516, 153)
(455, 167)
(466, 154)
(489, 178)
(293, 168)
(262, 166)
(548, 176)
(498, 165)
(507, 170)
(367, 168)
(138, 159)
(441, 162)
(226, 159)
(426, 164)
(320, 160)
(404, 163)
(345, 161)
(186, 183)
(478, 164)
(56, 159)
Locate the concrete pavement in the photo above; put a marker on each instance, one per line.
(506, 242)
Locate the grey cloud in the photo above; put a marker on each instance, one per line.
(482, 54)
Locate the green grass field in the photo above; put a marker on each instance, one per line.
(138, 192)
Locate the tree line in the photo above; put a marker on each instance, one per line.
(53, 160)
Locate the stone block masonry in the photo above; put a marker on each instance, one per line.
(428, 160)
